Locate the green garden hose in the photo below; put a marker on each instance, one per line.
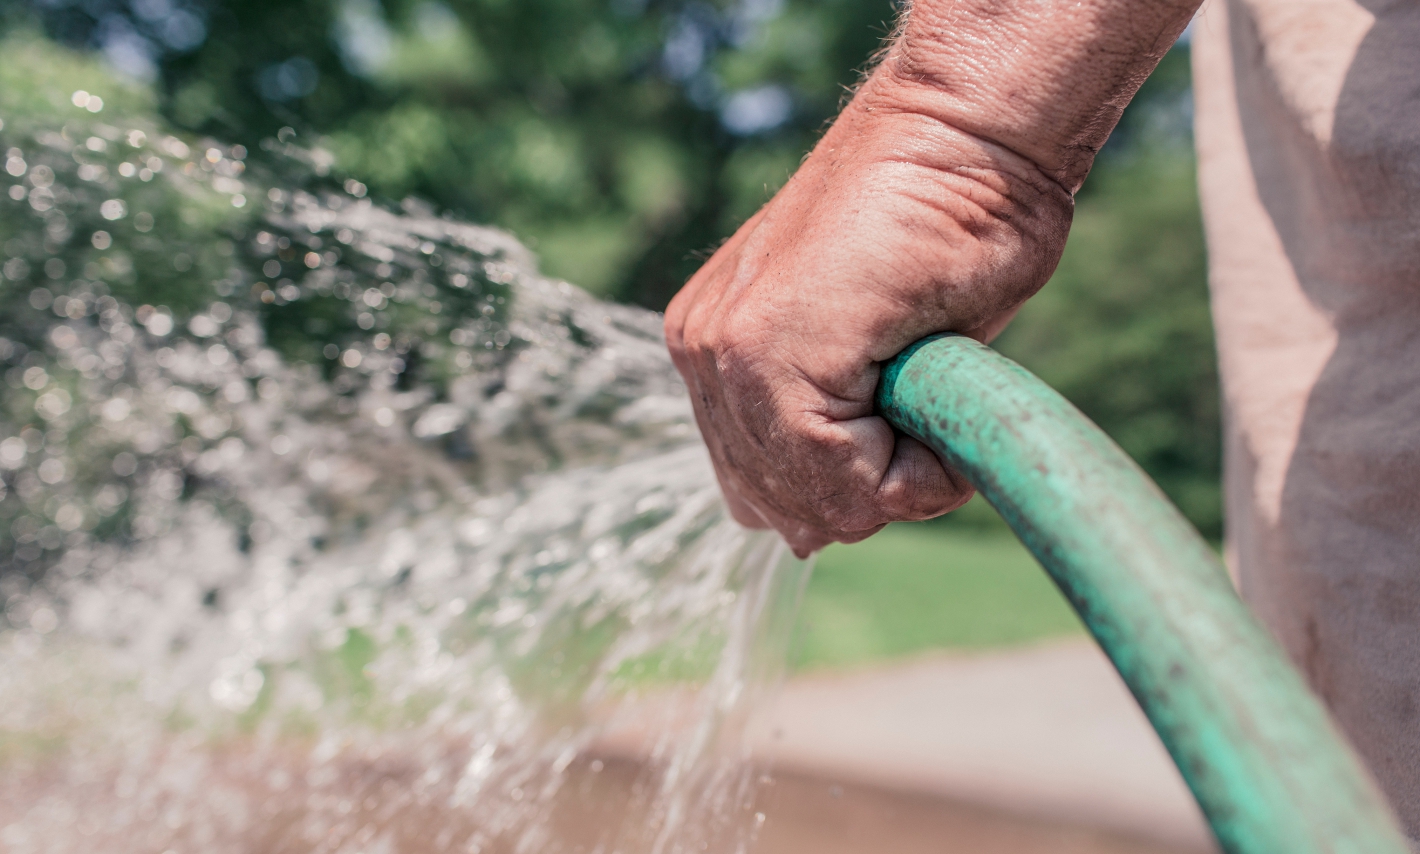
(1269, 769)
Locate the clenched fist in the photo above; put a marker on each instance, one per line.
(896, 226)
(939, 201)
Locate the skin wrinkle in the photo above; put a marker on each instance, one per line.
(1010, 161)
(1056, 74)
(913, 215)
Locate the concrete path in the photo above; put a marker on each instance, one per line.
(1046, 732)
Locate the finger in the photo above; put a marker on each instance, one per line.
(859, 536)
(690, 297)
(695, 292)
(742, 510)
(918, 486)
(857, 455)
(802, 539)
(995, 326)
(886, 477)
(805, 541)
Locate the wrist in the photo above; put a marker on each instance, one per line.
(955, 229)
(1046, 80)
(908, 121)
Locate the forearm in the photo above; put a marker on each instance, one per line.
(1043, 79)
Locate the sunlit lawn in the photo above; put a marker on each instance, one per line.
(919, 587)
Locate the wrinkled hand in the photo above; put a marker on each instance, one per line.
(897, 225)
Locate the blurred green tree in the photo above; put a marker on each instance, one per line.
(618, 137)
(621, 138)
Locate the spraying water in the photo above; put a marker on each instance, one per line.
(335, 528)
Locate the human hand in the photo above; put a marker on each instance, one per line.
(938, 202)
(898, 225)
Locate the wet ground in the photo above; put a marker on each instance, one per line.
(1017, 752)
(375, 808)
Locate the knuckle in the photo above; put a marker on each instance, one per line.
(910, 501)
(673, 327)
(844, 518)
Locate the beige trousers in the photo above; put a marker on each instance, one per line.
(1308, 131)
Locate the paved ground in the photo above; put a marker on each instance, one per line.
(1047, 733)
(806, 815)
(1036, 751)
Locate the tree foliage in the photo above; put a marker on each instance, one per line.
(622, 138)
(619, 137)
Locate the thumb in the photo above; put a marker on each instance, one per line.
(918, 485)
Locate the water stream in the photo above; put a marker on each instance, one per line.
(334, 527)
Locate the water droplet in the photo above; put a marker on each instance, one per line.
(52, 471)
(115, 409)
(159, 323)
(69, 517)
(36, 378)
(43, 620)
(178, 398)
(124, 464)
(12, 452)
(16, 269)
(175, 148)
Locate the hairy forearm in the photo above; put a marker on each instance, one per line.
(1044, 79)
(939, 200)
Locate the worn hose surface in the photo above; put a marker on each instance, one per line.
(1270, 771)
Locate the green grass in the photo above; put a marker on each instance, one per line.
(924, 586)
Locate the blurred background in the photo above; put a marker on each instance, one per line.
(624, 139)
